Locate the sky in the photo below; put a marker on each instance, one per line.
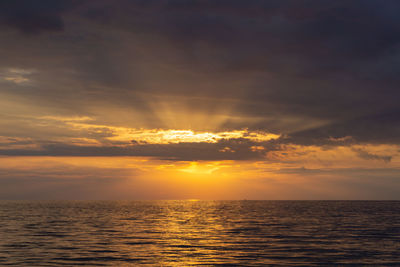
(200, 99)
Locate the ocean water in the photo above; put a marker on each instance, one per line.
(209, 233)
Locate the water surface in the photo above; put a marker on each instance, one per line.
(184, 233)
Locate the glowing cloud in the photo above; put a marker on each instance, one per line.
(167, 136)
(17, 76)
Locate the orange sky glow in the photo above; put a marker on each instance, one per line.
(203, 101)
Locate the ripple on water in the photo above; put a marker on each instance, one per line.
(240, 233)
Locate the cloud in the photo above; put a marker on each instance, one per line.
(130, 178)
(369, 156)
(17, 76)
(303, 87)
(314, 75)
(224, 149)
(34, 17)
(374, 128)
(62, 181)
(17, 143)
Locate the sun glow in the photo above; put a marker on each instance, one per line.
(196, 168)
(93, 133)
(170, 136)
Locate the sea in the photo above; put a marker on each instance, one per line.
(200, 233)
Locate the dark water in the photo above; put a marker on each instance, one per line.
(182, 233)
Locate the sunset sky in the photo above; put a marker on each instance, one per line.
(200, 99)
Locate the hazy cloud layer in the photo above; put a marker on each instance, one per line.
(71, 181)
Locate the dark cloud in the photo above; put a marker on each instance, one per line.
(365, 155)
(315, 71)
(33, 17)
(381, 128)
(225, 149)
